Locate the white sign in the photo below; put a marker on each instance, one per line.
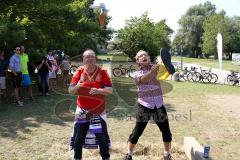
(236, 58)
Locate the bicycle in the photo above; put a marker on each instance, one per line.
(233, 78)
(182, 74)
(203, 76)
(190, 74)
(214, 77)
(120, 71)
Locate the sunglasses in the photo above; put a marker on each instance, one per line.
(17, 49)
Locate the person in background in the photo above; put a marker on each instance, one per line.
(3, 70)
(52, 73)
(43, 67)
(65, 67)
(26, 81)
(16, 73)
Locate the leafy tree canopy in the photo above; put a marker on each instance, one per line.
(143, 34)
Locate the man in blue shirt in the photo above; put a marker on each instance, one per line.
(15, 68)
(3, 70)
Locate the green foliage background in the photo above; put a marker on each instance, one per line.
(69, 25)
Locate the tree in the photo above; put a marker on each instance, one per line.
(143, 33)
(188, 37)
(212, 26)
(10, 33)
(234, 33)
(69, 25)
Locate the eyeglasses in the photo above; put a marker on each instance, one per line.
(17, 49)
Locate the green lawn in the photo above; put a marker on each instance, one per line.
(121, 58)
(212, 63)
(41, 129)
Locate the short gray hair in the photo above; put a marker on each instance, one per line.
(139, 52)
(88, 51)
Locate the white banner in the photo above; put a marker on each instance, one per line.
(236, 58)
(219, 49)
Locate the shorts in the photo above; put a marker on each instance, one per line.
(2, 82)
(52, 74)
(17, 80)
(26, 81)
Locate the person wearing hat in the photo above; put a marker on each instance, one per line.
(150, 101)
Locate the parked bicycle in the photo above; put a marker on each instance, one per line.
(121, 71)
(196, 76)
(182, 74)
(233, 78)
(212, 77)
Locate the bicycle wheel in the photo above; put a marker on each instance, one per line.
(73, 69)
(196, 77)
(181, 75)
(124, 72)
(206, 78)
(185, 75)
(230, 80)
(214, 78)
(189, 77)
(117, 72)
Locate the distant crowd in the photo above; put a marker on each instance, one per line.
(17, 68)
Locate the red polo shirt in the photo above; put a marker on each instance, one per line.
(93, 103)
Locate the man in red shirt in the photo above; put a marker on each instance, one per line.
(90, 83)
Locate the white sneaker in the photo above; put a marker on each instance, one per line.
(19, 104)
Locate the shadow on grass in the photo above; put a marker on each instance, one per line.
(170, 107)
(15, 121)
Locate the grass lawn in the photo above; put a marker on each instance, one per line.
(212, 63)
(41, 129)
(120, 58)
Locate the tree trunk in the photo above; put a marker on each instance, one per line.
(230, 56)
(215, 55)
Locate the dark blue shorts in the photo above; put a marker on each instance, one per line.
(26, 81)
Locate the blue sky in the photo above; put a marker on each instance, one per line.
(171, 10)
